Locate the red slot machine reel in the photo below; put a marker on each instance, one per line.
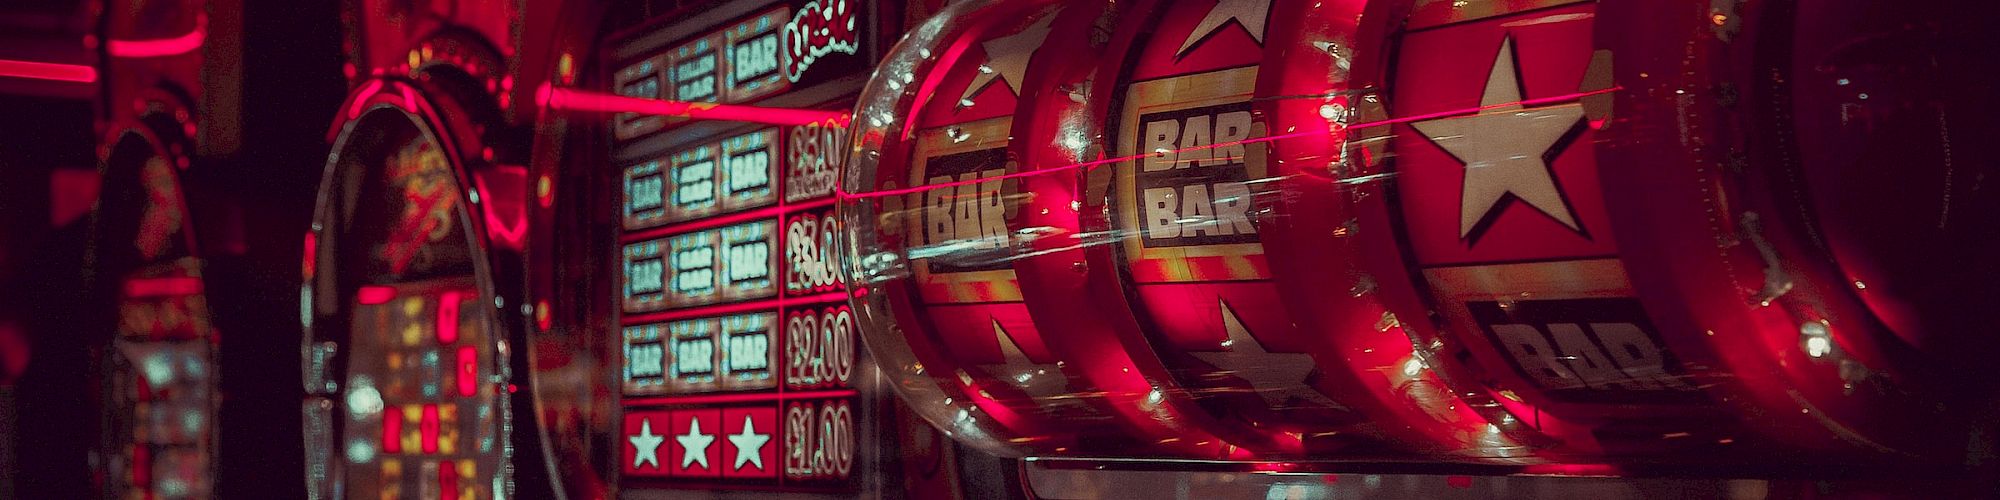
(1595, 268)
(1492, 244)
(894, 317)
(1823, 292)
(1067, 267)
(1310, 239)
(1103, 290)
(932, 210)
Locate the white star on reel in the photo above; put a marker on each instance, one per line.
(646, 445)
(1007, 58)
(694, 445)
(749, 445)
(1249, 13)
(1504, 148)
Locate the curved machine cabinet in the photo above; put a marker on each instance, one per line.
(1623, 236)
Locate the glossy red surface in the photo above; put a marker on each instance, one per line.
(1482, 232)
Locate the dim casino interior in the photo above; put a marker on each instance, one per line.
(1005, 249)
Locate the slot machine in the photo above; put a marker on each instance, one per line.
(1308, 233)
(414, 356)
(1567, 277)
(685, 177)
(157, 388)
(1178, 370)
(986, 371)
(647, 248)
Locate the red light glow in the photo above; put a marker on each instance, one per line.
(311, 254)
(47, 71)
(161, 47)
(468, 371)
(565, 99)
(447, 481)
(1574, 470)
(392, 431)
(72, 192)
(429, 428)
(162, 287)
(361, 99)
(372, 294)
(506, 215)
(447, 321)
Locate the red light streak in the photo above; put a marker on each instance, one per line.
(1574, 470)
(159, 47)
(373, 294)
(361, 98)
(47, 71)
(842, 192)
(447, 320)
(565, 99)
(506, 216)
(162, 287)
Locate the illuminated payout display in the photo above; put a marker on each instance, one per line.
(812, 253)
(730, 175)
(756, 54)
(700, 268)
(701, 355)
(694, 70)
(739, 350)
(814, 155)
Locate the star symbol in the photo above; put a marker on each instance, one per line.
(1248, 13)
(1278, 377)
(1039, 381)
(749, 445)
(1007, 58)
(694, 445)
(646, 445)
(1505, 148)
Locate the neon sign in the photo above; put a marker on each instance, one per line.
(730, 175)
(813, 156)
(819, 440)
(811, 250)
(819, 29)
(819, 348)
(693, 356)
